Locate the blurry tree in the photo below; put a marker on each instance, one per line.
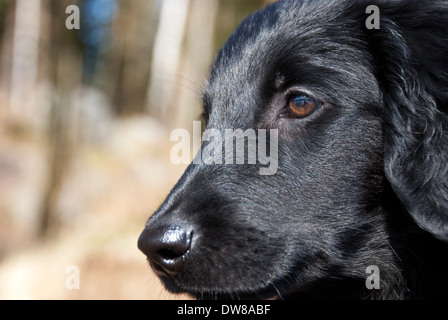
(194, 63)
(188, 36)
(65, 75)
(25, 53)
(6, 33)
(166, 58)
(130, 57)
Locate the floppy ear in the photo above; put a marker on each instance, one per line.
(411, 55)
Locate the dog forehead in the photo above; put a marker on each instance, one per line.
(240, 68)
(286, 37)
(264, 37)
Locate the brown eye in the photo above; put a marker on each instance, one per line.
(301, 106)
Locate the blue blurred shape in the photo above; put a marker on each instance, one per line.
(95, 33)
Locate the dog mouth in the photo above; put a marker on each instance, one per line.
(268, 293)
(272, 291)
(259, 295)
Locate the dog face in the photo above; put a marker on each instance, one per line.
(307, 70)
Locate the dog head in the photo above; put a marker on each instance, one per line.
(357, 119)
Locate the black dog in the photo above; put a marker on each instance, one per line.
(358, 207)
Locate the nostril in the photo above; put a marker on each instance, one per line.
(166, 247)
(168, 254)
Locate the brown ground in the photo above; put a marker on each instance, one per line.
(109, 191)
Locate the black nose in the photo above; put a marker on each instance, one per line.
(166, 247)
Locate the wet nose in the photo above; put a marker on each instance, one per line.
(166, 247)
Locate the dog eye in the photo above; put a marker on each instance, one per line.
(301, 106)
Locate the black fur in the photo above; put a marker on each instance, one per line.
(362, 181)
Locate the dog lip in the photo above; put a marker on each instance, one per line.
(159, 271)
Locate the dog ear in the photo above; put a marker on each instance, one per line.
(411, 56)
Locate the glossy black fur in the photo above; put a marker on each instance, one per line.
(362, 181)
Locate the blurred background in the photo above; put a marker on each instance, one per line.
(85, 118)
